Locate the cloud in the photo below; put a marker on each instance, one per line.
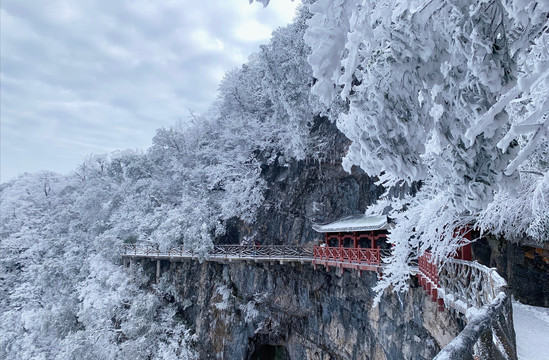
(252, 30)
(95, 76)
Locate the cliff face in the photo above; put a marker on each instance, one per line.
(271, 311)
(526, 268)
(242, 311)
(261, 310)
(302, 192)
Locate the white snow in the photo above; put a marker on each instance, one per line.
(354, 223)
(225, 293)
(532, 330)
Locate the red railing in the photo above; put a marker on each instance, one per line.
(349, 255)
(428, 278)
(428, 269)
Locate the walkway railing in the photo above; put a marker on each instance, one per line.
(141, 249)
(339, 257)
(429, 279)
(224, 252)
(466, 287)
(274, 252)
(468, 284)
(479, 293)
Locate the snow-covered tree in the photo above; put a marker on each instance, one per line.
(449, 93)
(63, 293)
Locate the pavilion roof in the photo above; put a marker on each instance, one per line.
(354, 223)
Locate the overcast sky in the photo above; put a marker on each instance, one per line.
(93, 76)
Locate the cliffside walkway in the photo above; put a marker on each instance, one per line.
(224, 253)
(342, 258)
(470, 290)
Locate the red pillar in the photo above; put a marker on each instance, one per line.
(466, 253)
(440, 303)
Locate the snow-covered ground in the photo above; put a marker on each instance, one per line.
(532, 329)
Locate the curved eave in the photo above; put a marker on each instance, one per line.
(354, 223)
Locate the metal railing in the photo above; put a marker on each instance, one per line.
(263, 252)
(141, 249)
(274, 252)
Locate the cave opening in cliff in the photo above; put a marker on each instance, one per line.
(270, 352)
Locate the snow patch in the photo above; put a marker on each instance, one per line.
(532, 331)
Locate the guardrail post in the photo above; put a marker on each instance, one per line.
(503, 330)
(157, 271)
(484, 347)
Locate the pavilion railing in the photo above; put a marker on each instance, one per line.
(429, 279)
(350, 255)
(428, 269)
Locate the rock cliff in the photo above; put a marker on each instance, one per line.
(248, 311)
(526, 268)
(262, 310)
